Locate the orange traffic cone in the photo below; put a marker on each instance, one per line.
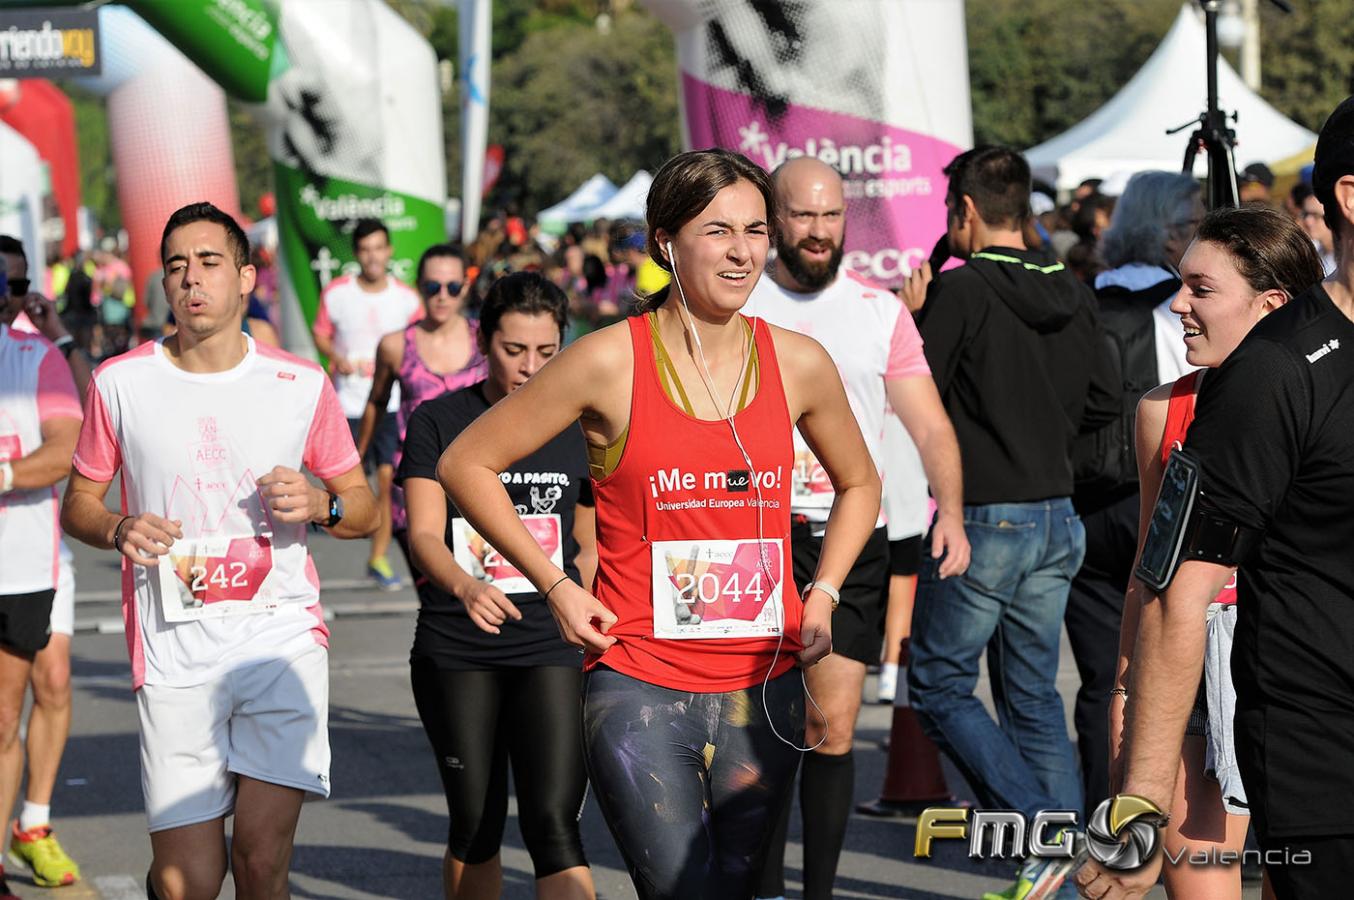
(914, 779)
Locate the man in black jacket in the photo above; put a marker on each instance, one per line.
(1012, 340)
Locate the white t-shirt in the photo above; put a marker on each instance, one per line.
(36, 386)
(191, 447)
(356, 320)
(907, 508)
(871, 337)
(1169, 336)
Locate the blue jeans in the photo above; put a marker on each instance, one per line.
(1010, 602)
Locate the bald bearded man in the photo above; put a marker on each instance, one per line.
(871, 337)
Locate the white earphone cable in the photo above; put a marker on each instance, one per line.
(754, 476)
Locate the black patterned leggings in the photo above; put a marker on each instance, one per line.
(690, 784)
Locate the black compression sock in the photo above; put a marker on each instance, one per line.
(826, 791)
(772, 882)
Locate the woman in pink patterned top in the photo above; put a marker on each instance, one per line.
(438, 354)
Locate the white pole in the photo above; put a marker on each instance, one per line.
(475, 18)
(1250, 44)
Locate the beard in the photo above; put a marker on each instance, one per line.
(813, 275)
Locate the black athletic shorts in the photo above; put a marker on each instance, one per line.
(905, 555)
(384, 442)
(26, 621)
(858, 623)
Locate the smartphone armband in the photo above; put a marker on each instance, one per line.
(1183, 526)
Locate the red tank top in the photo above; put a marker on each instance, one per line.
(1179, 414)
(677, 537)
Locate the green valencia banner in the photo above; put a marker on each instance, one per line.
(234, 41)
(320, 212)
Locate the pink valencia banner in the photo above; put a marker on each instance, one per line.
(876, 88)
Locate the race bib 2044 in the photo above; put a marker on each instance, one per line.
(216, 577)
(475, 555)
(717, 589)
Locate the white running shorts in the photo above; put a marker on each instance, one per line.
(63, 605)
(268, 721)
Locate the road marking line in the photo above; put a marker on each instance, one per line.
(334, 585)
(335, 610)
(118, 887)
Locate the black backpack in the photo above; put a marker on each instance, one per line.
(1104, 462)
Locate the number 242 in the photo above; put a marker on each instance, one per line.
(236, 578)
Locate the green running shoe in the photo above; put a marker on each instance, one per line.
(38, 849)
(380, 572)
(1041, 879)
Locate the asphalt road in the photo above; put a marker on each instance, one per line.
(381, 833)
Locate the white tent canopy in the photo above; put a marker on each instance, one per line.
(1128, 133)
(628, 202)
(22, 186)
(577, 206)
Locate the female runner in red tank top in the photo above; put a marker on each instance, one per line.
(1243, 264)
(693, 717)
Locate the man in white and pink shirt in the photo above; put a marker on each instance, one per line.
(39, 423)
(871, 337)
(33, 839)
(209, 432)
(355, 312)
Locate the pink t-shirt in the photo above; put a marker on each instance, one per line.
(871, 337)
(191, 447)
(37, 387)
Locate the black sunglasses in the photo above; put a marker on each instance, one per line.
(18, 287)
(430, 288)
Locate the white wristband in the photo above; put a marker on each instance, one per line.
(832, 593)
(6, 477)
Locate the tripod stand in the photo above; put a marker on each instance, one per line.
(1214, 136)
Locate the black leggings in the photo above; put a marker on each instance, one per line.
(479, 720)
(691, 784)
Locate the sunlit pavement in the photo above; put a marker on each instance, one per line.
(381, 833)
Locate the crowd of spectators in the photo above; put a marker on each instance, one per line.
(1073, 230)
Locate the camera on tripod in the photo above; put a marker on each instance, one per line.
(1213, 136)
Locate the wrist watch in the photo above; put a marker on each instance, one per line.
(335, 511)
(6, 477)
(832, 593)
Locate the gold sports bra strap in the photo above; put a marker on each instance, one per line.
(667, 372)
(602, 461)
(750, 374)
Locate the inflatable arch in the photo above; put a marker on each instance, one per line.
(42, 114)
(349, 94)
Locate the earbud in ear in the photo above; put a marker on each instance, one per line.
(672, 254)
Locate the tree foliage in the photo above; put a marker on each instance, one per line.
(1307, 58)
(1037, 67)
(569, 98)
(253, 168)
(573, 101)
(98, 179)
